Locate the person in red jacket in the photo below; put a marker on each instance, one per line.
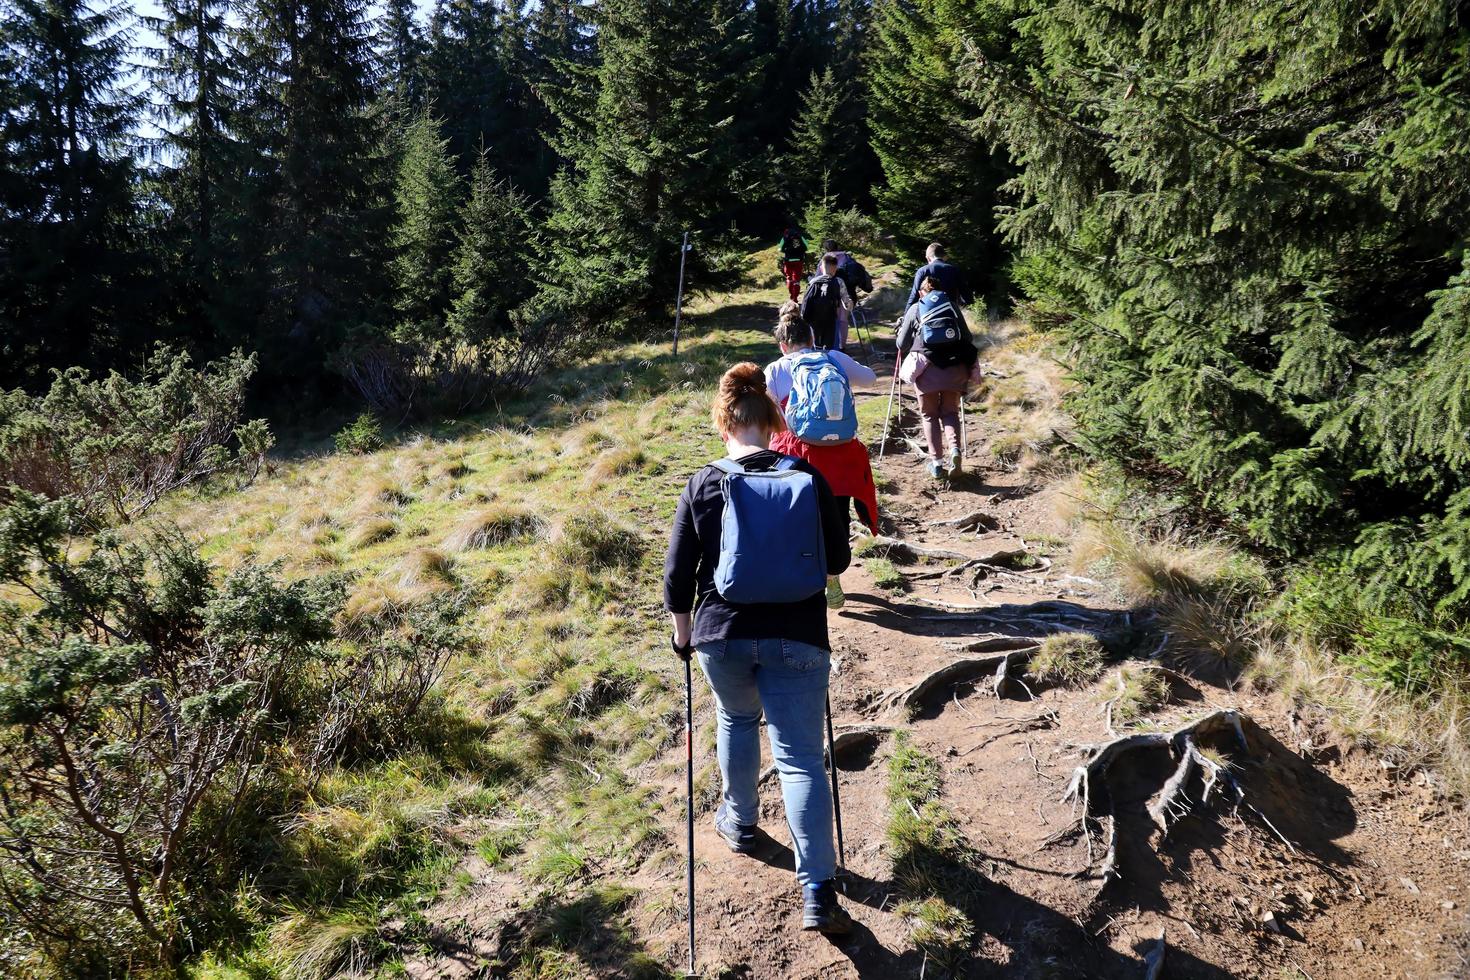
(792, 250)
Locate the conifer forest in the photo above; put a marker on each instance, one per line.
(342, 421)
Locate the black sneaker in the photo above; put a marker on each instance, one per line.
(742, 840)
(821, 912)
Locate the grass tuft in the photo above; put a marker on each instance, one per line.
(885, 574)
(597, 542)
(369, 532)
(1135, 692)
(496, 525)
(1068, 659)
(425, 568)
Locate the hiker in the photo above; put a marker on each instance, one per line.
(855, 277)
(938, 357)
(814, 390)
(791, 251)
(754, 536)
(825, 295)
(950, 278)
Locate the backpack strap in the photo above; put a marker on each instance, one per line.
(728, 465)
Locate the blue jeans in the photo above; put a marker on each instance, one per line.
(789, 681)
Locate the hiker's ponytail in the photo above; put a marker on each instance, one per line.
(743, 402)
(791, 329)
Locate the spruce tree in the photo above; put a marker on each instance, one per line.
(427, 197)
(1251, 228)
(313, 225)
(650, 162)
(401, 50)
(469, 81)
(194, 78)
(814, 153)
(939, 177)
(495, 258)
(66, 220)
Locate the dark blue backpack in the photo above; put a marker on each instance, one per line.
(770, 535)
(943, 335)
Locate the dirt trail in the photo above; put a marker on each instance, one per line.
(1331, 870)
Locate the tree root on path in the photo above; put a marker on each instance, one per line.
(846, 739)
(1171, 802)
(998, 668)
(975, 520)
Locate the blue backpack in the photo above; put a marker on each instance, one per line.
(819, 409)
(770, 535)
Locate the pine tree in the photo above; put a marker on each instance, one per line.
(427, 196)
(939, 177)
(401, 51)
(815, 150)
(312, 217)
(66, 221)
(470, 80)
(649, 163)
(494, 258)
(1251, 228)
(192, 71)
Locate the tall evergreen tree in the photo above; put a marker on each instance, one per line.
(494, 258)
(427, 197)
(939, 176)
(66, 228)
(470, 86)
(815, 151)
(1251, 227)
(193, 75)
(651, 161)
(401, 50)
(316, 227)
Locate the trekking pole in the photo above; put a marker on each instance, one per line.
(836, 794)
(689, 785)
(679, 302)
(893, 387)
(964, 437)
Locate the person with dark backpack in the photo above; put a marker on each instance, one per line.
(938, 357)
(948, 277)
(814, 389)
(825, 296)
(755, 535)
(855, 277)
(791, 257)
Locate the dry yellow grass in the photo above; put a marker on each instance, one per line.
(425, 568)
(369, 532)
(495, 525)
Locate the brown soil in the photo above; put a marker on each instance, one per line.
(1338, 867)
(1374, 883)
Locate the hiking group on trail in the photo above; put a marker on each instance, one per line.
(761, 536)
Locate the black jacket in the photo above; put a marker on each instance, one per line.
(694, 551)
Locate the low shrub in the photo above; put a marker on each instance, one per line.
(117, 445)
(363, 435)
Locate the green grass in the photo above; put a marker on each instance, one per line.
(1135, 692)
(885, 574)
(540, 764)
(1068, 659)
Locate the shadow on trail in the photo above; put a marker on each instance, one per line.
(1030, 620)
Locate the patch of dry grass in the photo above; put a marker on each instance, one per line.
(1135, 692)
(495, 525)
(370, 531)
(425, 568)
(1068, 659)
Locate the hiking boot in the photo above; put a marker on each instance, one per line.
(936, 469)
(820, 911)
(835, 595)
(954, 462)
(742, 839)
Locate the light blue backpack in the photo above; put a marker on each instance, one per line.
(770, 535)
(819, 409)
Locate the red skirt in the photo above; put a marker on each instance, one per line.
(845, 467)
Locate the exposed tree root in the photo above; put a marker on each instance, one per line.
(1045, 720)
(975, 520)
(998, 668)
(1184, 743)
(907, 551)
(846, 741)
